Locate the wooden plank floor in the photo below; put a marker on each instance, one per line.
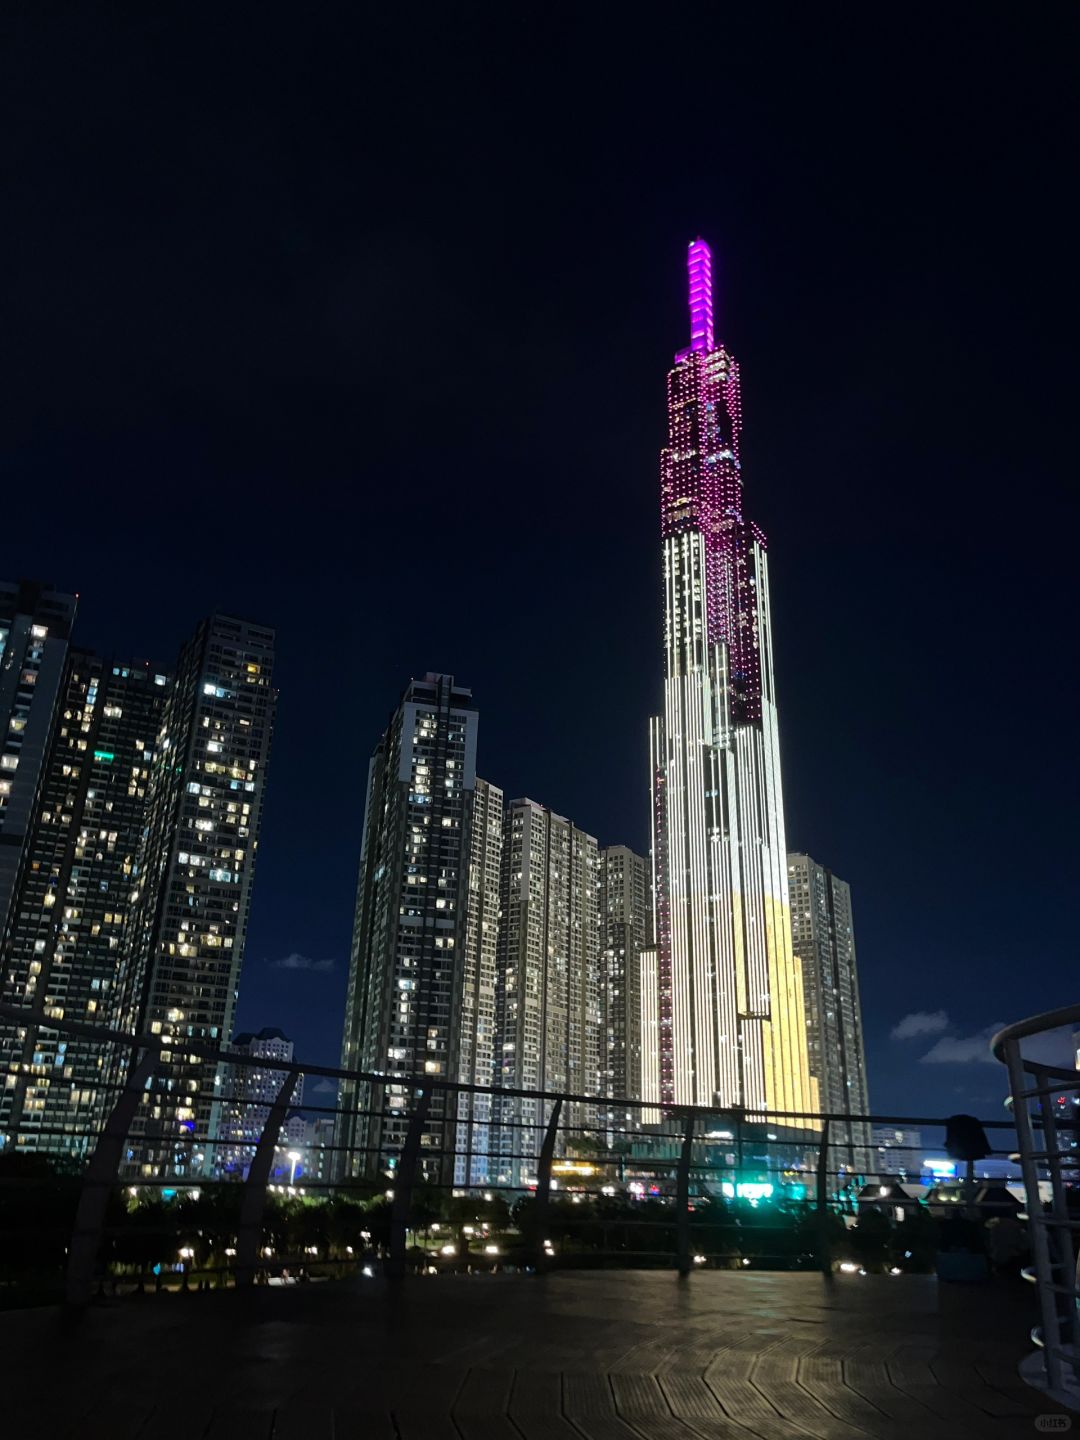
(604, 1356)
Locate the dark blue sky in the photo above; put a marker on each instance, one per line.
(358, 325)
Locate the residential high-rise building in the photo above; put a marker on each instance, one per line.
(733, 1030)
(550, 1006)
(35, 625)
(411, 926)
(476, 1023)
(897, 1152)
(68, 936)
(318, 1148)
(192, 894)
(823, 936)
(626, 928)
(248, 1090)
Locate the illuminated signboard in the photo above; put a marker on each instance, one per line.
(940, 1169)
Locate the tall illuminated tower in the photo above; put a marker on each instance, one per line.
(67, 947)
(549, 997)
(190, 899)
(625, 931)
(419, 905)
(732, 1026)
(823, 930)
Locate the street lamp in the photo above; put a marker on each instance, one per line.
(295, 1157)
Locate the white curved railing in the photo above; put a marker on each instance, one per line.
(1036, 1089)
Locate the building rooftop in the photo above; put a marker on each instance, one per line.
(268, 1032)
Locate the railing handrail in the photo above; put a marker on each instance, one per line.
(224, 1055)
(1034, 1025)
(741, 1127)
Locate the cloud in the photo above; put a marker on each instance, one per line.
(920, 1022)
(296, 961)
(963, 1050)
(325, 1086)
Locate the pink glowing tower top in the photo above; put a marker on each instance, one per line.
(701, 486)
(699, 265)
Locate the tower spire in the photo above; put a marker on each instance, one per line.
(699, 266)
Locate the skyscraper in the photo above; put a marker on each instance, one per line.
(69, 932)
(476, 1014)
(731, 993)
(35, 625)
(192, 893)
(549, 987)
(626, 928)
(823, 935)
(896, 1152)
(248, 1089)
(411, 924)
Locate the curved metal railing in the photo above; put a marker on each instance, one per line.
(1045, 1103)
(688, 1163)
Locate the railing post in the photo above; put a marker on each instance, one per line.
(404, 1176)
(101, 1175)
(682, 1199)
(1040, 1249)
(1060, 1207)
(254, 1202)
(822, 1209)
(543, 1186)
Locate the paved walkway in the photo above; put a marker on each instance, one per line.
(617, 1356)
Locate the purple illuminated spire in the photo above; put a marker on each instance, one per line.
(699, 264)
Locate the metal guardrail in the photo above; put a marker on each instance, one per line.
(1047, 1142)
(687, 1166)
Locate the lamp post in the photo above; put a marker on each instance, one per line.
(294, 1157)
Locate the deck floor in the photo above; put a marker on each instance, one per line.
(615, 1356)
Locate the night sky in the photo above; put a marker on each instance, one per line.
(355, 321)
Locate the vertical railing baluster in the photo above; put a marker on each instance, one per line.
(1062, 1238)
(543, 1188)
(822, 1197)
(682, 1199)
(1040, 1249)
(249, 1232)
(101, 1175)
(404, 1178)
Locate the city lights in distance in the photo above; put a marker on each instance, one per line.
(753, 1190)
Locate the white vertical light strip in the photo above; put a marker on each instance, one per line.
(725, 858)
(649, 1078)
(675, 867)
